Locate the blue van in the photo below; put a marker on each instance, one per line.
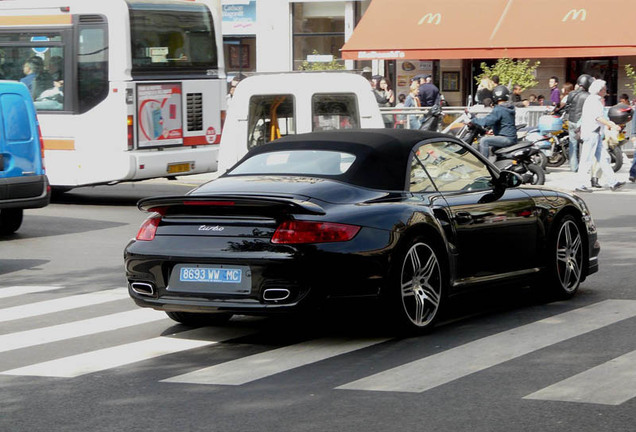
(23, 181)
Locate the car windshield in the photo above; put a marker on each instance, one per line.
(306, 162)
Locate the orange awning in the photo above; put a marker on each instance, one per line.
(461, 29)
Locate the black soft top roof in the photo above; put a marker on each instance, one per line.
(381, 155)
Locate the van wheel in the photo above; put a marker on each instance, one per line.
(10, 220)
(199, 319)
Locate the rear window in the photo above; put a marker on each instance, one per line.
(17, 124)
(305, 162)
(333, 111)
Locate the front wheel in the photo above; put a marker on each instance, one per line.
(418, 288)
(566, 255)
(199, 319)
(10, 220)
(537, 174)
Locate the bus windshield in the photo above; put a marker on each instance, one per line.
(172, 38)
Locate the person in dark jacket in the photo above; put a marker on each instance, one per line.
(574, 108)
(501, 120)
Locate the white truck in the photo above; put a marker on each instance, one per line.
(270, 106)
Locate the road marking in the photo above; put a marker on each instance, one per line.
(14, 291)
(251, 368)
(611, 383)
(450, 365)
(29, 338)
(62, 304)
(108, 358)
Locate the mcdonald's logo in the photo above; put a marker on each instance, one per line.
(431, 18)
(575, 14)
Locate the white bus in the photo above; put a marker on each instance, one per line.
(125, 89)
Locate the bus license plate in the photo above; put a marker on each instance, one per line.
(218, 275)
(175, 168)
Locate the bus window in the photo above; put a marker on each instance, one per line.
(92, 67)
(165, 42)
(270, 117)
(36, 59)
(334, 111)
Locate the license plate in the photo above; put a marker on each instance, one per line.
(217, 275)
(211, 279)
(175, 168)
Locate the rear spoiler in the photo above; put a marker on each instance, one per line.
(289, 205)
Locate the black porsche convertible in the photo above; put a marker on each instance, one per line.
(405, 218)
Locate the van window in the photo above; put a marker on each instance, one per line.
(334, 111)
(16, 118)
(270, 117)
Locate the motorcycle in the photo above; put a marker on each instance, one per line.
(431, 119)
(517, 158)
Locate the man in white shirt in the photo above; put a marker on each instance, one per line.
(593, 123)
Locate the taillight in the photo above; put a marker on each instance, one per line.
(149, 228)
(41, 147)
(295, 232)
(130, 123)
(223, 115)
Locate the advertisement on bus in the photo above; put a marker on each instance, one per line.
(159, 114)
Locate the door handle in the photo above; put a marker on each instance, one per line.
(463, 218)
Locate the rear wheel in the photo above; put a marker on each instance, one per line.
(418, 287)
(540, 159)
(565, 269)
(616, 156)
(10, 220)
(199, 319)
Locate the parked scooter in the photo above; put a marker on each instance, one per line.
(431, 119)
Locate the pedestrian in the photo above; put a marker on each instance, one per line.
(541, 100)
(593, 124)
(430, 97)
(400, 119)
(555, 93)
(502, 121)
(574, 108)
(385, 98)
(412, 101)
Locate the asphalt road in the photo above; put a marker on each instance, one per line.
(77, 355)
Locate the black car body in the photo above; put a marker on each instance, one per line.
(401, 216)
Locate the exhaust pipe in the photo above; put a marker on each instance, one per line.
(276, 294)
(143, 288)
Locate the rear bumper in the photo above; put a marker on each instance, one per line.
(24, 192)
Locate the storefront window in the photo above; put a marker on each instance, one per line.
(318, 29)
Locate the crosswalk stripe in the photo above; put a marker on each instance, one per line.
(108, 358)
(611, 383)
(29, 338)
(251, 368)
(447, 366)
(14, 291)
(62, 304)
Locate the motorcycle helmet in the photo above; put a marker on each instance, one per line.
(585, 81)
(500, 93)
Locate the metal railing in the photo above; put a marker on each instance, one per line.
(527, 115)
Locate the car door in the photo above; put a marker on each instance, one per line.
(495, 230)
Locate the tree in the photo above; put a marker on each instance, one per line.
(511, 72)
(631, 75)
(318, 66)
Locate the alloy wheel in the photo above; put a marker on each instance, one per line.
(569, 255)
(421, 285)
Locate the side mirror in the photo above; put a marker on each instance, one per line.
(509, 179)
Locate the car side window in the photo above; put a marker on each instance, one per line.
(452, 167)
